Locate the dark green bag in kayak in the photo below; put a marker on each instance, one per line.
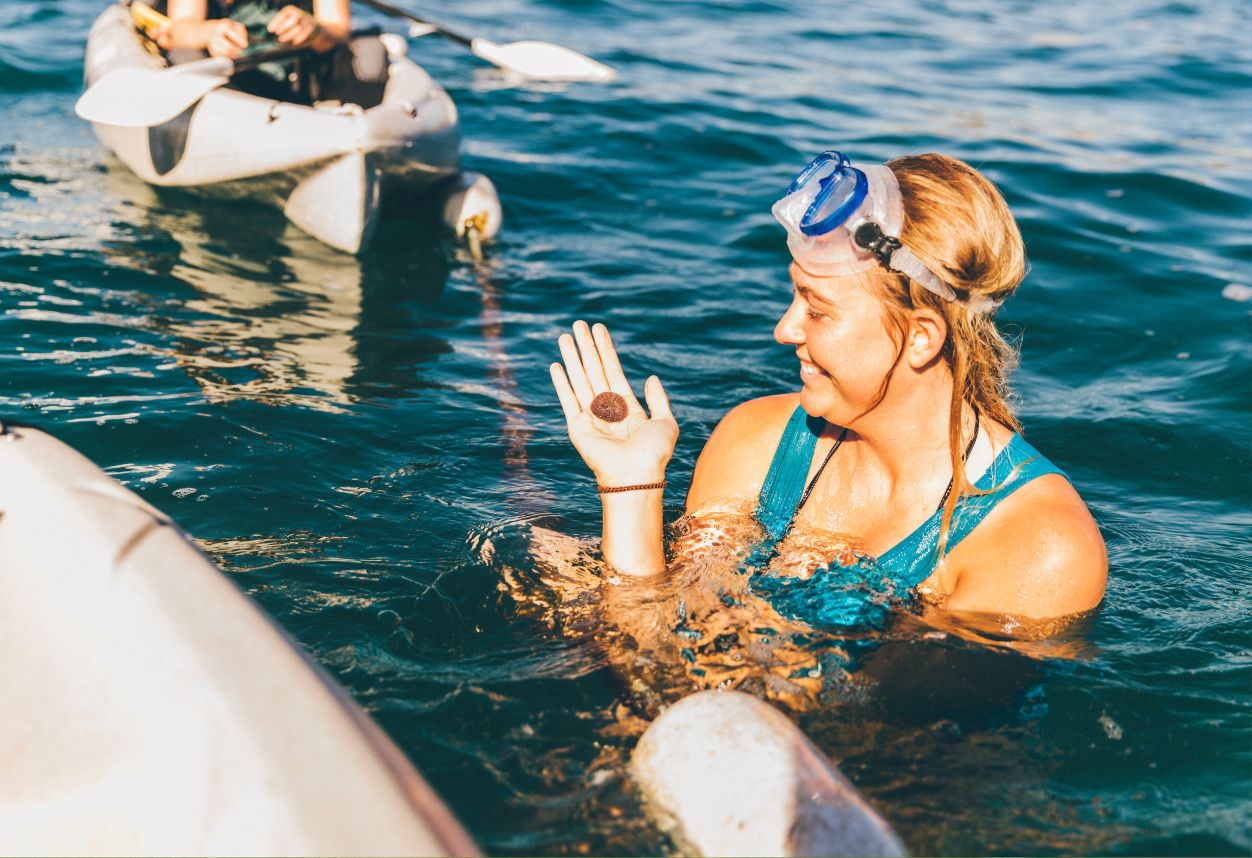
(256, 15)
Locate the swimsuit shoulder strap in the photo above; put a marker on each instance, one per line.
(912, 561)
(784, 484)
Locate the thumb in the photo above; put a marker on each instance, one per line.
(658, 402)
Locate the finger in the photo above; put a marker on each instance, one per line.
(236, 35)
(612, 366)
(658, 400)
(222, 47)
(565, 393)
(282, 19)
(591, 357)
(574, 369)
(285, 31)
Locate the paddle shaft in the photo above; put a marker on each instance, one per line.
(388, 9)
(251, 61)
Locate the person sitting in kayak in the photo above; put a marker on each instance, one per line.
(229, 29)
(901, 435)
(321, 24)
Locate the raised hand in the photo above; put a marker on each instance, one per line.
(625, 452)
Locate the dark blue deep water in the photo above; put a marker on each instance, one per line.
(339, 433)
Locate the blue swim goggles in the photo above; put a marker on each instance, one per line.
(841, 219)
(841, 188)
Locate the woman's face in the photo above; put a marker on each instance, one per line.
(837, 325)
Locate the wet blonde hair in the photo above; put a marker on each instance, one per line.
(959, 225)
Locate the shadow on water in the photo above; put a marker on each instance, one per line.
(259, 310)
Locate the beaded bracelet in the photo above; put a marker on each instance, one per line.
(606, 490)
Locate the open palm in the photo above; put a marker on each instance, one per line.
(630, 451)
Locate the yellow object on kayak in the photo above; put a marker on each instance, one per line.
(148, 21)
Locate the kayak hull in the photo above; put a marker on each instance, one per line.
(268, 148)
(155, 710)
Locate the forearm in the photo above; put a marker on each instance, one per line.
(633, 531)
(334, 23)
(329, 35)
(187, 34)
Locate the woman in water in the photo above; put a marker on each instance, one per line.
(901, 434)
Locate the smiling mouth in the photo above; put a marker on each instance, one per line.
(809, 370)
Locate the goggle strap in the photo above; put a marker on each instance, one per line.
(906, 263)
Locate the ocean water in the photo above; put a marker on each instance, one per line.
(344, 435)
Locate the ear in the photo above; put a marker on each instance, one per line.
(928, 331)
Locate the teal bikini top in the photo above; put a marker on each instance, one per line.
(864, 587)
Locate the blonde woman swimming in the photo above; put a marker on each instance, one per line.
(899, 449)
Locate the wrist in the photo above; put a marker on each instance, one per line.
(612, 477)
(633, 523)
(657, 485)
(607, 484)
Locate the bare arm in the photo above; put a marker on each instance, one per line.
(632, 452)
(735, 459)
(328, 26)
(334, 17)
(1037, 555)
(188, 28)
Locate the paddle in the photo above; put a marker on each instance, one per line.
(533, 60)
(136, 98)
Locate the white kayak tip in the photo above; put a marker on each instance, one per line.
(543, 61)
(473, 205)
(138, 97)
(728, 774)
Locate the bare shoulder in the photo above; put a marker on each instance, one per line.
(1038, 554)
(736, 457)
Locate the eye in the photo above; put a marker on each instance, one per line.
(814, 315)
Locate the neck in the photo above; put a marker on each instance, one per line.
(907, 433)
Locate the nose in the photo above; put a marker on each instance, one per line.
(789, 331)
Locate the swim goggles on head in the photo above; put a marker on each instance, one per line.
(842, 220)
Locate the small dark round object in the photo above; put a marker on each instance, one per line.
(609, 407)
(867, 235)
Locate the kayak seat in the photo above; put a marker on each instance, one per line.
(354, 73)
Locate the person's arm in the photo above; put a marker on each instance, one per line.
(632, 452)
(328, 26)
(735, 459)
(1038, 555)
(188, 28)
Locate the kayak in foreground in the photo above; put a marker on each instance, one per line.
(155, 710)
(326, 165)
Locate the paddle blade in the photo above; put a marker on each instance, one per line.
(542, 61)
(137, 98)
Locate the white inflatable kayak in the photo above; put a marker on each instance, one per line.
(150, 708)
(727, 774)
(324, 164)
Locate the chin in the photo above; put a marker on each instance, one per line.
(823, 404)
(814, 403)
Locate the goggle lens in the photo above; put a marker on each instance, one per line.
(839, 192)
(819, 168)
(841, 188)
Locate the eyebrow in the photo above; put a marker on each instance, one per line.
(811, 294)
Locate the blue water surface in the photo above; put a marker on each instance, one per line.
(336, 431)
